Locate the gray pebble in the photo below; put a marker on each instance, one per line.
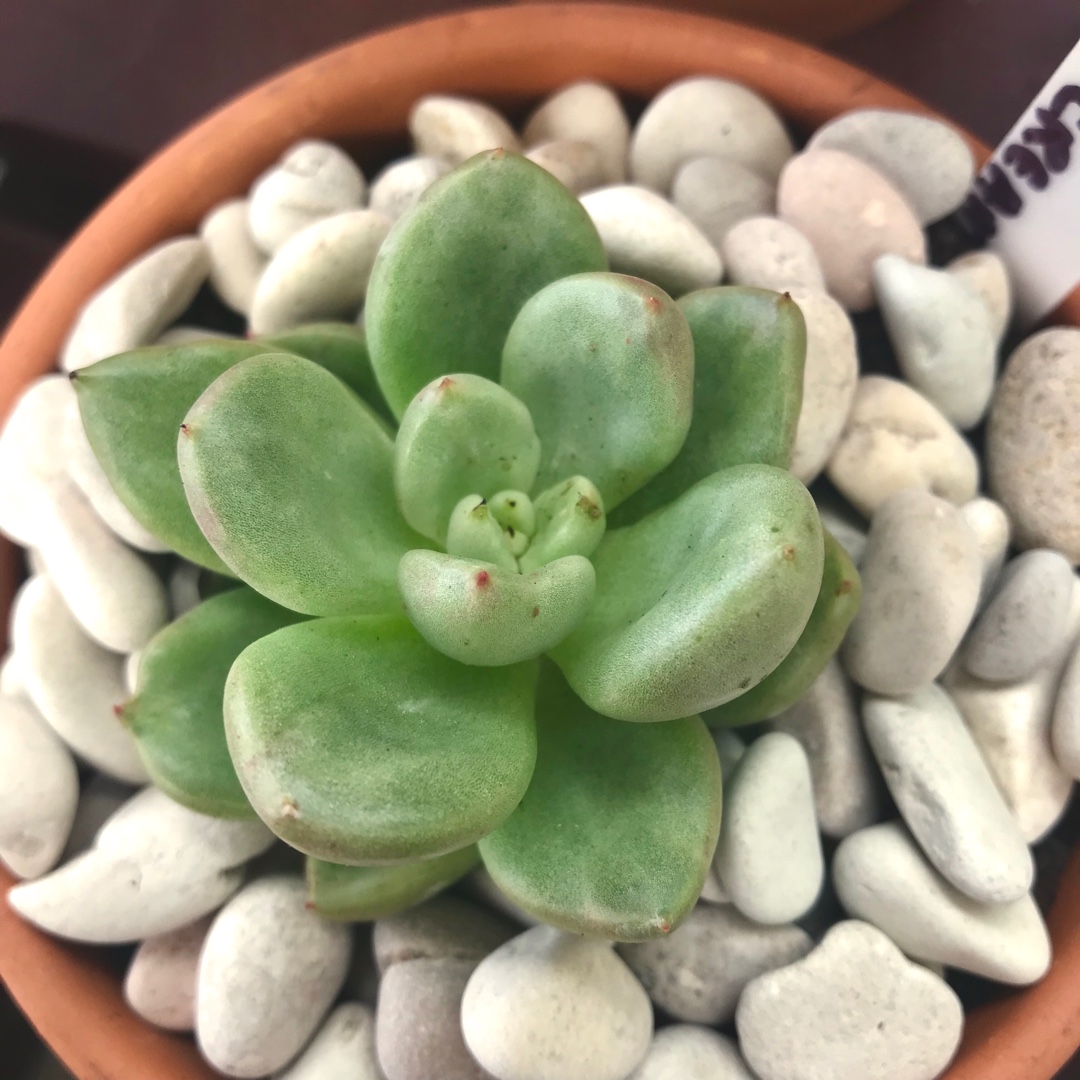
(161, 979)
(767, 253)
(990, 524)
(921, 574)
(699, 970)
(847, 527)
(398, 187)
(99, 798)
(689, 1052)
(716, 193)
(343, 1049)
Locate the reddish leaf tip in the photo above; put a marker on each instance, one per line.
(483, 579)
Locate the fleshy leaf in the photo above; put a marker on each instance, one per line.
(358, 743)
(569, 521)
(701, 600)
(455, 271)
(176, 713)
(749, 351)
(132, 405)
(478, 613)
(837, 603)
(617, 830)
(288, 473)
(475, 534)
(362, 893)
(461, 434)
(605, 365)
(342, 349)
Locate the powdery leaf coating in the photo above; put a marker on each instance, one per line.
(605, 365)
(289, 476)
(461, 434)
(360, 893)
(480, 614)
(668, 636)
(455, 128)
(616, 831)
(356, 742)
(453, 274)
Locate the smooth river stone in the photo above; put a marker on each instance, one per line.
(1065, 727)
(99, 798)
(343, 1049)
(418, 1021)
(882, 877)
(699, 970)
(161, 979)
(716, 193)
(575, 164)
(986, 273)
(690, 1052)
(896, 439)
(39, 790)
(706, 117)
(74, 683)
(135, 306)
(456, 128)
(399, 186)
(12, 684)
(941, 332)
(1033, 441)
(313, 180)
(769, 857)
(921, 574)
(830, 379)
(947, 795)
(854, 1009)
(849, 529)
(1012, 725)
(268, 973)
(1026, 620)
(990, 524)
(447, 927)
(852, 216)
(767, 253)
(155, 866)
(551, 1006)
(320, 272)
(589, 112)
(927, 161)
(645, 236)
(236, 261)
(847, 787)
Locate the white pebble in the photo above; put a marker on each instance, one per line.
(135, 306)
(947, 795)
(12, 683)
(769, 856)
(921, 574)
(99, 798)
(1026, 620)
(882, 877)
(551, 1006)
(236, 262)
(575, 164)
(940, 329)
(399, 186)
(644, 235)
(718, 193)
(184, 591)
(160, 981)
(706, 117)
(847, 527)
(313, 180)
(319, 273)
(39, 791)
(990, 524)
(590, 112)
(269, 971)
(185, 334)
(698, 971)
(74, 683)
(854, 1009)
(986, 273)
(830, 379)
(456, 128)
(896, 439)
(155, 866)
(768, 253)
(847, 789)
(689, 1052)
(1065, 729)
(343, 1049)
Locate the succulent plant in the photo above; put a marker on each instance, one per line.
(499, 552)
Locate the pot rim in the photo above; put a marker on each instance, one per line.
(509, 55)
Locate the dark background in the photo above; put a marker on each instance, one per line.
(88, 88)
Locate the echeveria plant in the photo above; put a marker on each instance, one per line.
(498, 557)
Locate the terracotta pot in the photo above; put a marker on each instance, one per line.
(361, 93)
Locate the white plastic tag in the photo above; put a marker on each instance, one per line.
(1026, 201)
